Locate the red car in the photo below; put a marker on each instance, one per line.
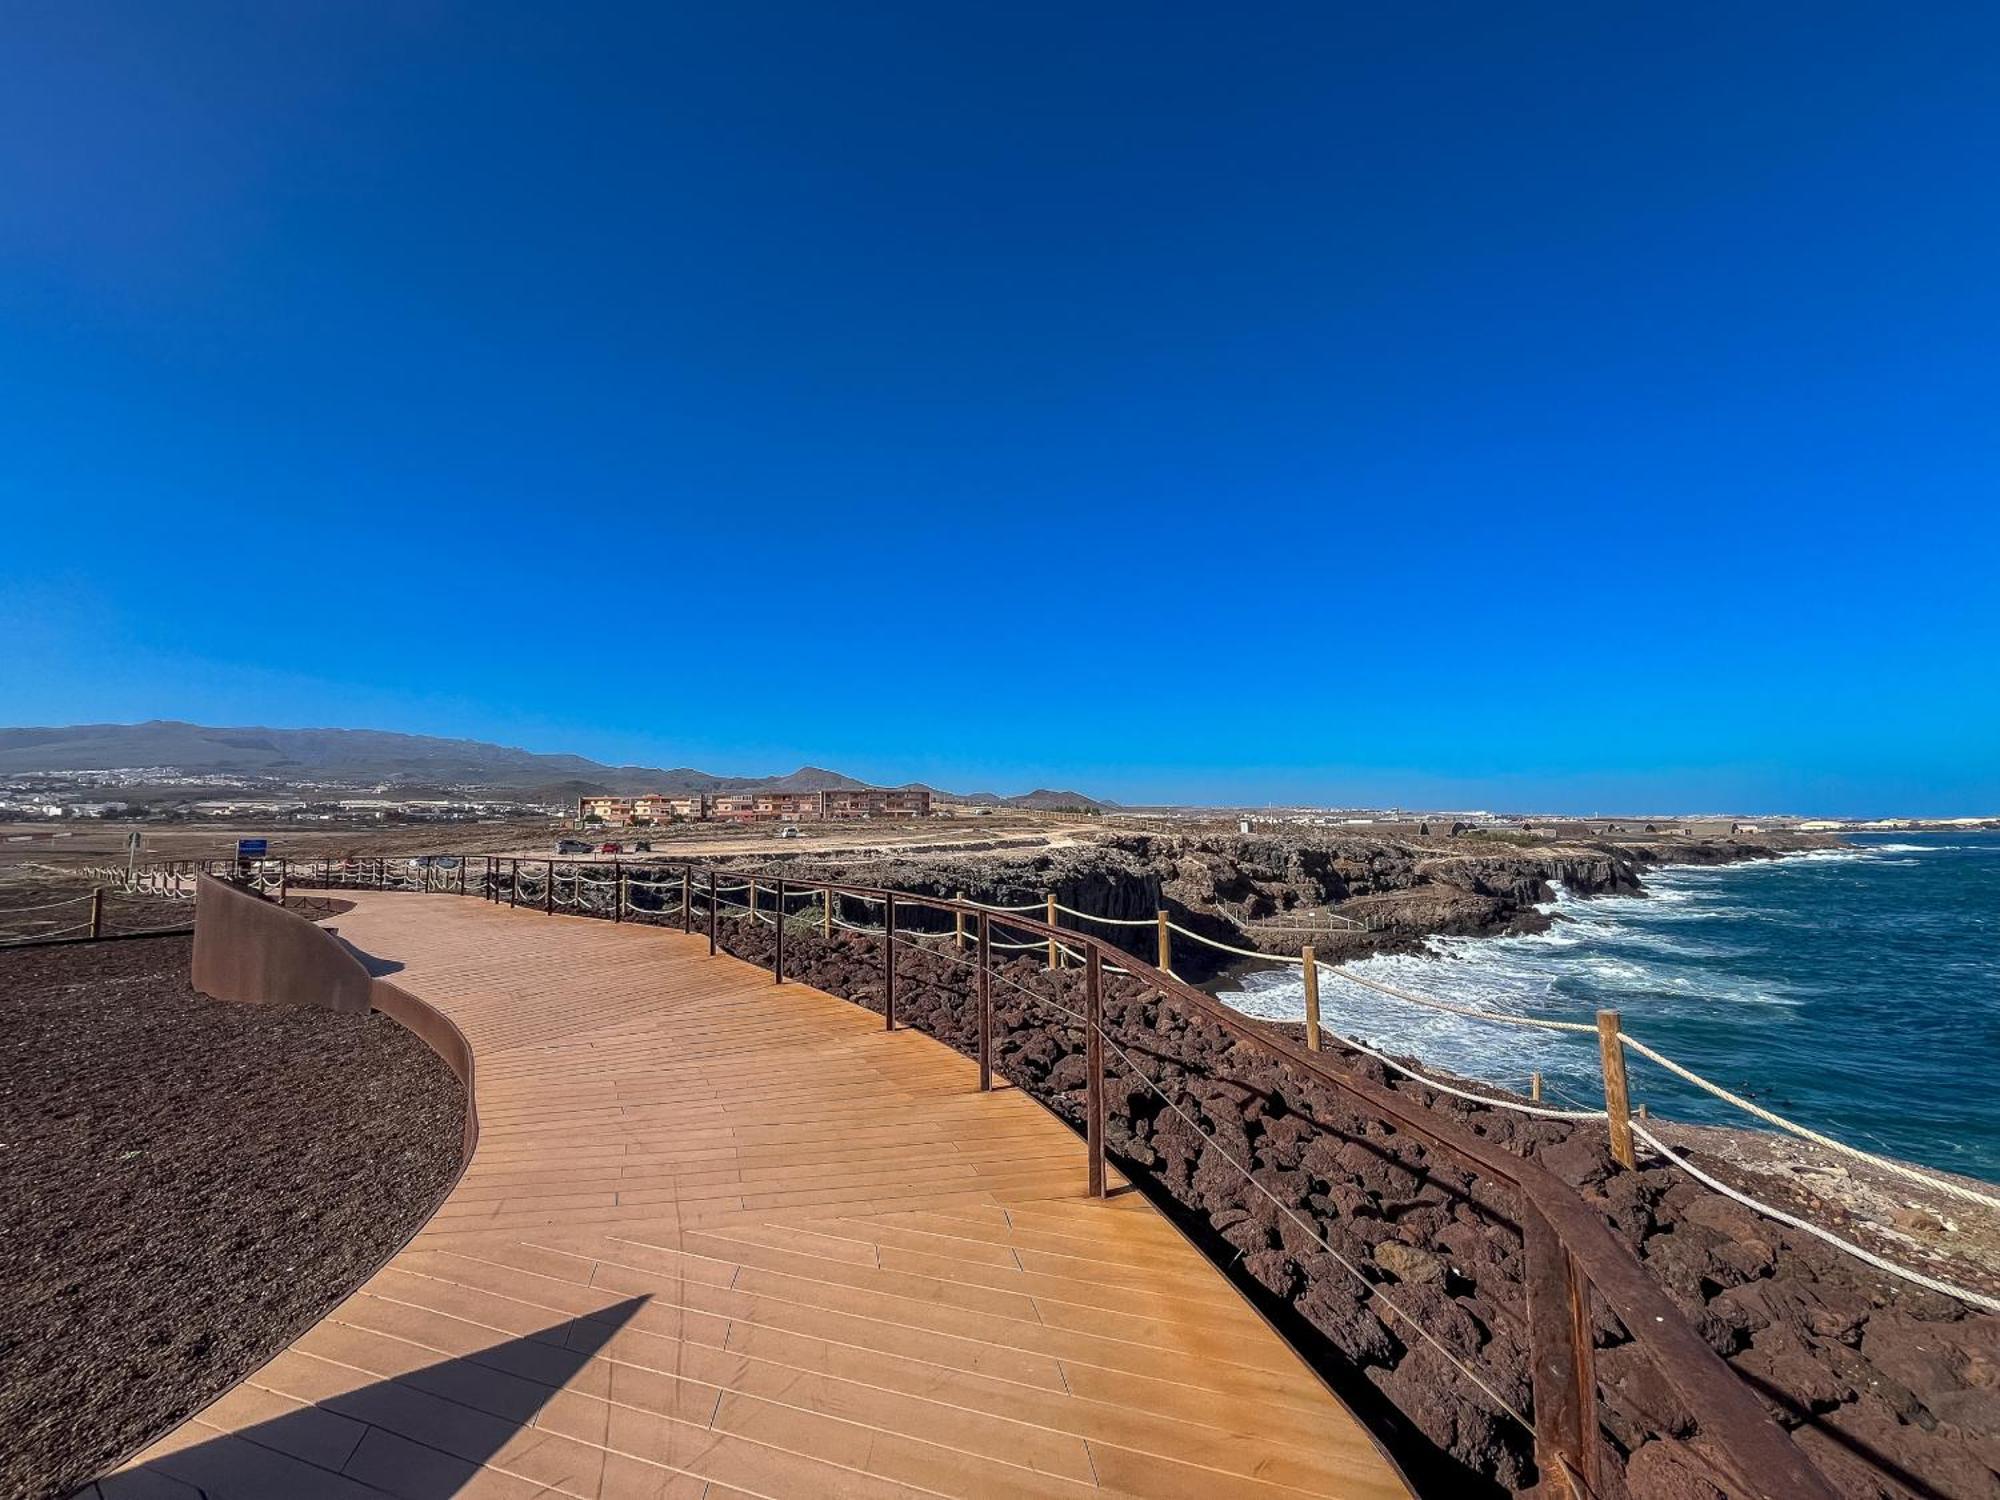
(611, 849)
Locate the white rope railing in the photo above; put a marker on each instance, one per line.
(1855, 1153)
(14, 911)
(1880, 1263)
(1110, 921)
(533, 886)
(44, 937)
(1498, 1018)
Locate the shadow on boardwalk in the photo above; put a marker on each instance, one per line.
(335, 1449)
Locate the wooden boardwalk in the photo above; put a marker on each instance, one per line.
(726, 1238)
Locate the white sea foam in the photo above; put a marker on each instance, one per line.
(1598, 951)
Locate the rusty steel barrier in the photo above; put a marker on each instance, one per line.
(250, 950)
(1569, 1253)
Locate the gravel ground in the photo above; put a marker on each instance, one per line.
(185, 1186)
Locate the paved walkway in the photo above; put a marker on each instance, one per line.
(727, 1238)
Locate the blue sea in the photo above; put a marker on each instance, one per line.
(1853, 990)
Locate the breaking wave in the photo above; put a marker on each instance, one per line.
(1817, 976)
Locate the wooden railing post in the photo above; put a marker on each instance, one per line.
(711, 911)
(889, 960)
(1562, 1361)
(549, 890)
(826, 915)
(284, 879)
(687, 914)
(1535, 1086)
(958, 923)
(617, 891)
(752, 903)
(778, 954)
(1617, 1102)
(1166, 946)
(1311, 973)
(1055, 952)
(97, 911)
(985, 1004)
(461, 874)
(514, 883)
(1093, 1053)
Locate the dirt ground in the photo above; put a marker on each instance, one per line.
(185, 1186)
(35, 850)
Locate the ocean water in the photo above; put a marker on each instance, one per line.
(1854, 990)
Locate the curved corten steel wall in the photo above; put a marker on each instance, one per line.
(253, 951)
(436, 1031)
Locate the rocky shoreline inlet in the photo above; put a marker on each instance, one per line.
(1893, 1391)
(1349, 895)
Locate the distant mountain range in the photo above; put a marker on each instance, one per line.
(374, 755)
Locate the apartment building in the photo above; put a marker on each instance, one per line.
(756, 807)
(875, 802)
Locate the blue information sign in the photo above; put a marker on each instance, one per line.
(251, 848)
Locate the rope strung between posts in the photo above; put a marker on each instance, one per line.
(1497, 1017)
(43, 937)
(1269, 958)
(1445, 1088)
(1337, 924)
(1110, 921)
(1928, 1283)
(1940, 1184)
(12, 911)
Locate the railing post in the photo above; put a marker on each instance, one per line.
(1562, 1362)
(1535, 1086)
(97, 911)
(1093, 1052)
(985, 1003)
(711, 911)
(1055, 953)
(752, 903)
(958, 923)
(461, 874)
(1617, 1102)
(687, 911)
(1166, 946)
(514, 883)
(778, 953)
(1311, 972)
(826, 914)
(889, 961)
(617, 891)
(549, 889)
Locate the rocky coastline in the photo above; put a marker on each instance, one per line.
(1892, 1391)
(1348, 895)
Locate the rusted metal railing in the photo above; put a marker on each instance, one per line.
(1571, 1258)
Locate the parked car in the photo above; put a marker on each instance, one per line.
(643, 846)
(572, 846)
(610, 848)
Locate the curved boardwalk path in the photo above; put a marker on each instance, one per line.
(723, 1238)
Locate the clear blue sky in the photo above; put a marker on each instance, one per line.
(1565, 407)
